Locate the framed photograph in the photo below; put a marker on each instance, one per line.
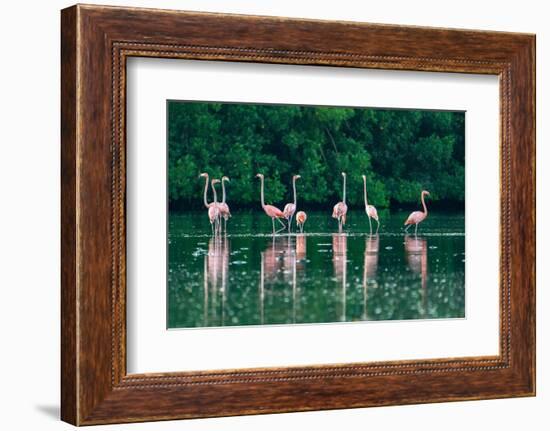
(264, 215)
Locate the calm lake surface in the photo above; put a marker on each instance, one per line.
(250, 277)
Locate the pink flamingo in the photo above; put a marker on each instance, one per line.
(211, 207)
(214, 210)
(205, 176)
(223, 207)
(417, 217)
(290, 208)
(270, 210)
(301, 218)
(340, 209)
(369, 209)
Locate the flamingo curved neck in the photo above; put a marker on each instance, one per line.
(215, 195)
(262, 191)
(205, 192)
(365, 193)
(223, 191)
(424, 205)
(344, 197)
(294, 188)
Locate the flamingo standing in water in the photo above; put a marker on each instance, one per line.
(270, 210)
(301, 218)
(223, 207)
(205, 176)
(290, 208)
(417, 217)
(369, 209)
(340, 209)
(214, 210)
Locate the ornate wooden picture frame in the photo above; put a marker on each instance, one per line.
(96, 41)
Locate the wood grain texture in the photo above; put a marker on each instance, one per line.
(69, 367)
(96, 41)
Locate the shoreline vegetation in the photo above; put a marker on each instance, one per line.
(400, 151)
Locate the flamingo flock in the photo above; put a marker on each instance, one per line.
(220, 210)
(216, 210)
(290, 208)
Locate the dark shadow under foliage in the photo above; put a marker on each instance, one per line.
(400, 151)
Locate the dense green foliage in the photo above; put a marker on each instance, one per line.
(400, 151)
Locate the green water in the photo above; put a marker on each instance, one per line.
(250, 277)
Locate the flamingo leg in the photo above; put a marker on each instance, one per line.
(284, 227)
(273, 223)
(290, 223)
(415, 229)
(370, 224)
(225, 225)
(378, 226)
(407, 228)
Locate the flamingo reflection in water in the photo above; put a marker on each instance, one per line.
(416, 250)
(339, 260)
(370, 267)
(282, 259)
(301, 248)
(272, 265)
(299, 264)
(216, 268)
